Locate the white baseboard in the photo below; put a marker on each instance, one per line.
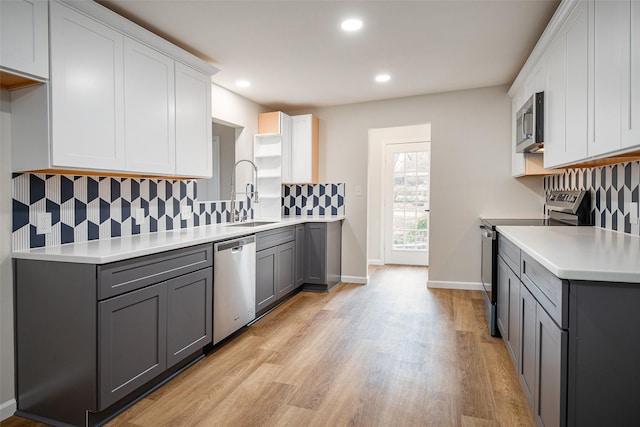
(7, 409)
(375, 262)
(468, 286)
(355, 279)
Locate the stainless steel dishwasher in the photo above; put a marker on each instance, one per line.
(234, 286)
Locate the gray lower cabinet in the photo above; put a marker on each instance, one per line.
(266, 267)
(322, 256)
(275, 266)
(551, 352)
(132, 341)
(507, 313)
(578, 351)
(527, 363)
(299, 258)
(90, 338)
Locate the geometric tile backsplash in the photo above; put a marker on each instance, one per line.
(86, 208)
(612, 188)
(90, 207)
(313, 199)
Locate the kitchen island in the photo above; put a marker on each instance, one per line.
(572, 321)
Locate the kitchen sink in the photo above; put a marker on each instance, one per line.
(250, 223)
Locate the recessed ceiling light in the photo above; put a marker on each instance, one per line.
(381, 78)
(351, 24)
(243, 83)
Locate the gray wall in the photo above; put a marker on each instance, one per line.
(7, 403)
(470, 173)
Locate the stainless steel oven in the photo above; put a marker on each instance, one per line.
(562, 207)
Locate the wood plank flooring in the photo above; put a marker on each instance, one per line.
(392, 353)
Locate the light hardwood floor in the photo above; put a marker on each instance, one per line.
(392, 353)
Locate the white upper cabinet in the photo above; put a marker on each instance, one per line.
(87, 120)
(193, 123)
(610, 30)
(299, 144)
(631, 79)
(119, 99)
(303, 156)
(592, 91)
(149, 106)
(24, 37)
(527, 164)
(566, 92)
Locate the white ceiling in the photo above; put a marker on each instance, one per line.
(296, 56)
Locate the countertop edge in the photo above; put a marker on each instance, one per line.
(134, 246)
(573, 270)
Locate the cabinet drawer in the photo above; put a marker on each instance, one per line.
(550, 292)
(124, 276)
(510, 253)
(269, 239)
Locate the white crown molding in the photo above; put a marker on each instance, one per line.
(557, 20)
(130, 29)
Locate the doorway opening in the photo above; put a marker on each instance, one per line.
(398, 195)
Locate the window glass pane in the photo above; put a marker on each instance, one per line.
(398, 162)
(410, 162)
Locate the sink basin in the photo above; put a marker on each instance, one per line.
(250, 223)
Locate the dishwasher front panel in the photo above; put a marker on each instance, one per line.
(234, 286)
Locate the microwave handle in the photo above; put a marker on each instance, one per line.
(527, 124)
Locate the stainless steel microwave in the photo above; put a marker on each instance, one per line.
(530, 125)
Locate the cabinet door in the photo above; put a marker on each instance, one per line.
(610, 24)
(527, 364)
(285, 277)
(315, 256)
(193, 123)
(132, 344)
(287, 147)
(87, 129)
(149, 104)
(304, 149)
(299, 261)
(502, 314)
(566, 116)
(550, 384)
(631, 77)
(24, 36)
(266, 269)
(513, 319)
(189, 323)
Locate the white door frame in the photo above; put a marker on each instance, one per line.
(409, 257)
(378, 137)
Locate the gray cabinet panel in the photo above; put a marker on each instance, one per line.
(603, 354)
(513, 318)
(132, 341)
(527, 364)
(503, 298)
(285, 269)
(315, 255)
(124, 276)
(266, 270)
(269, 239)
(323, 255)
(189, 324)
(550, 396)
(551, 292)
(299, 259)
(56, 316)
(510, 253)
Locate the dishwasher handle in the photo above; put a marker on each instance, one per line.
(235, 245)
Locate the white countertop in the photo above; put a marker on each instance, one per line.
(580, 253)
(120, 248)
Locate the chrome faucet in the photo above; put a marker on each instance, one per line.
(254, 193)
